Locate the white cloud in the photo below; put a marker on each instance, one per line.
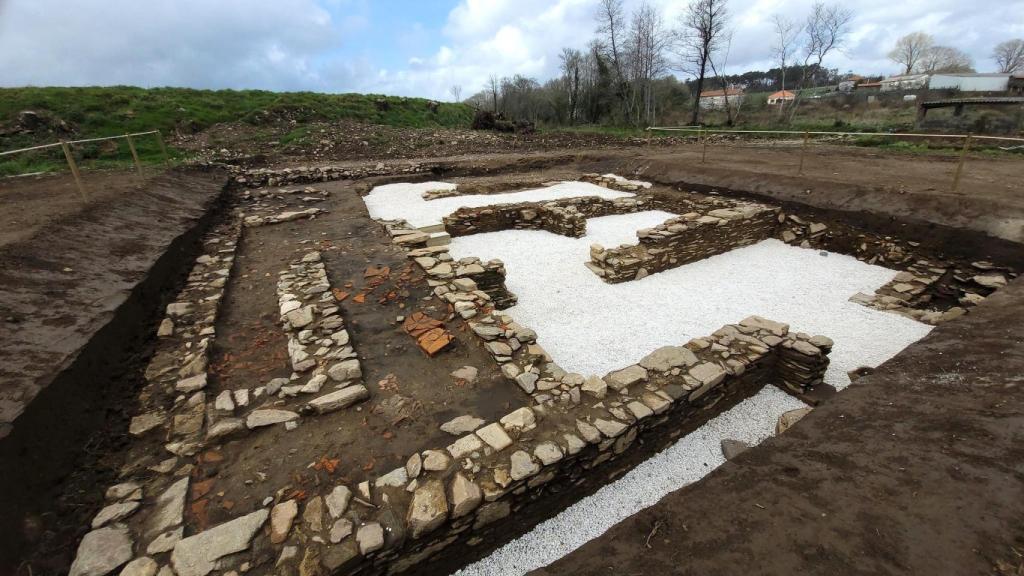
(296, 44)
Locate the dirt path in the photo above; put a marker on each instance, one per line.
(939, 491)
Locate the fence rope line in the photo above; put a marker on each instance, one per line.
(82, 141)
(825, 133)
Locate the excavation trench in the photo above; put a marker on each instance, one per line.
(75, 472)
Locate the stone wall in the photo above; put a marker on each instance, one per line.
(566, 217)
(687, 238)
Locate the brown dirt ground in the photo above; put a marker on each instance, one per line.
(940, 491)
(411, 394)
(79, 295)
(840, 178)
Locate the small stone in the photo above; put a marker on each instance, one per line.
(166, 328)
(370, 538)
(668, 357)
(610, 428)
(101, 551)
(269, 417)
(337, 501)
(395, 479)
(129, 490)
(191, 384)
(340, 530)
(462, 425)
(166, 541)
(281, 518)
(465, 495)
(523, 465)
(621, 379)
(114, 512)
(708, 374)
(548, 453)
(522, 420)
(345, 371)
(428, 509)
(788, 419)
(413, 466)
(990, 280)
(595, 386)
(144, 423)
(434, 460)
(733, 448)
(140, 567)
(465, 446)
(339, 399)
(495, 436)
(313, 514)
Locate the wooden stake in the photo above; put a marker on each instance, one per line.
(163, 149)
(135, 154)
(803, 152)
(74, 168)
(960, 164)
(704, 153)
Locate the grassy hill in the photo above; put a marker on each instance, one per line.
(106, 111)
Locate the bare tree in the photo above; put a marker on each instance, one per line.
(456, 92)
(826, 29)
(572, 75)
(702, 26)
(1009, 56)
(911, 49)
(939, 59)
(645, 58)
(492, 88)
(611, 27)
(725, 83)
(786, 34)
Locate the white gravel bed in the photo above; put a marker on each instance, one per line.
(591, 327)
(405, 200)
(686, 461)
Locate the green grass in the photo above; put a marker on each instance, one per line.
(108, 111)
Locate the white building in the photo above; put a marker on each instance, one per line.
(970, 82)
(906, 82)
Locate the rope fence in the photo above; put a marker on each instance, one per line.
(65, 146)
(702, 137)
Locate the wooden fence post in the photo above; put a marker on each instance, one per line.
(960, 164)
(803, 152)
(163, 148)
(703, 133)
(74, 168)
(135, 154)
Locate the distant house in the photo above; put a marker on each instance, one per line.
(865, 86)
(716, 99)
(1016, 84)
(905, 82)
(970, 82)
(781, 96)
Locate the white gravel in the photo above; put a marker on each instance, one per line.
(404, 200)
(686, 461)
(592, 327)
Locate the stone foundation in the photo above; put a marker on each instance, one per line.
(567, 217)
(688, 238)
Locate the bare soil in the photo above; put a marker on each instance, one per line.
(411, 394)
(939, 491)
(80, 291)
(896, 194)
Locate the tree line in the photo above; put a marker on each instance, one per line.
(627, 74)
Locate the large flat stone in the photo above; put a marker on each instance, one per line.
(102, 551)
(197, 555)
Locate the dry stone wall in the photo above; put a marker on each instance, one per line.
(566, 217)
(688, 238)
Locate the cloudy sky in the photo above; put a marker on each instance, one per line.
(409, 47)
